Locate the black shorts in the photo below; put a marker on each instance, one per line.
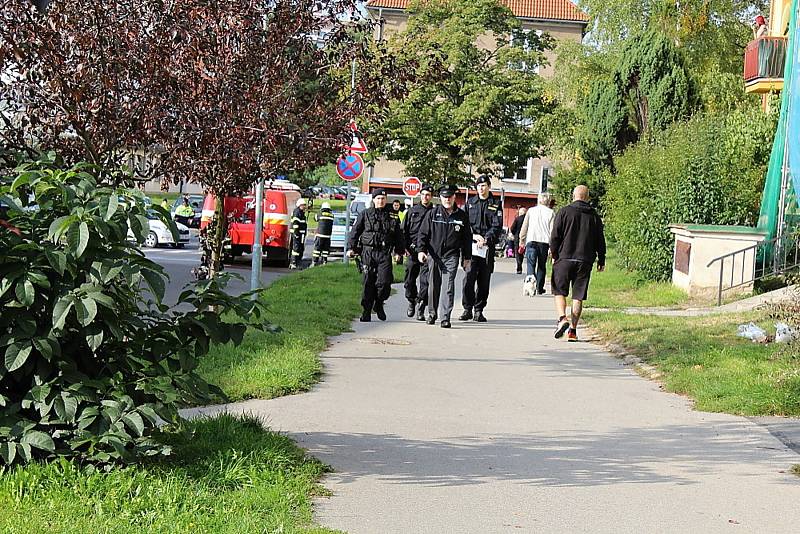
(576, 273)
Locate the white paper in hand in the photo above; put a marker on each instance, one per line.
(479, 251)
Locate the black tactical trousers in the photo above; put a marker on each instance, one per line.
(480, 274)
(416, 270)
(298, 248)
(442, 269)
(322, 247)
(377, 277)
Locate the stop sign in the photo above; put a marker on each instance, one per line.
(412, 186)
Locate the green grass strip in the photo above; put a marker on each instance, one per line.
(309, 306)
(228, 475)
(703, 358)
(618, 288)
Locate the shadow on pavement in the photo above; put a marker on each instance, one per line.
(626, 456)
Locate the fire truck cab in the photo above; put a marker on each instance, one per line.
(280, 198)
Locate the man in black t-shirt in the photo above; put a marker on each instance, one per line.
(576, 241)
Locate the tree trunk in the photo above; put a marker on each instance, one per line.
(217, 240)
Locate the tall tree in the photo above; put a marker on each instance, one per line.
(479, 98)
(86, 79)
(650, 89)
(711, 31)
(265, 88)
(225, 90)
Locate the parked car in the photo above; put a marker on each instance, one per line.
(340, 231)
(360, 202)
(196, 202)
(160, 234)
(339, 193)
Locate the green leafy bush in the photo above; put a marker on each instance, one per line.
(90, 359)
(709, 170)
(565, 181)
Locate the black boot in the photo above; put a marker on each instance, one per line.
(379, 311)
(479, 318)
(412, 308)
(366, 316)
(466, 316)
(421, 313)
(431, 319)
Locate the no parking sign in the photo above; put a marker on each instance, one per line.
(350, 167)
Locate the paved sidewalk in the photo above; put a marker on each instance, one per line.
(498, 427)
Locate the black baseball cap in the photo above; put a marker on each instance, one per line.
(483, 179)
(378, 192)
(447, 191)
(426, 187)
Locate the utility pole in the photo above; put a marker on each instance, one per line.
(255, 267)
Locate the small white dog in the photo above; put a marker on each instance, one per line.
(529, 286)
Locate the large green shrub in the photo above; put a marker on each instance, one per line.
(89, 360)
(566, 179)
(709, 170)
(649, 89)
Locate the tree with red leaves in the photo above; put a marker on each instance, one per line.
(225, 90)
(85, 79)
(266, 88)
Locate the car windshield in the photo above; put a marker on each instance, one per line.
(340, 220)
(152, 215)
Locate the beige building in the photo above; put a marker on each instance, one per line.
(561, 19)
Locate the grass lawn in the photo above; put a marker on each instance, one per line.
(158, 197)
(309, 306)
(618, 288)
(703, 358)
(227, 475)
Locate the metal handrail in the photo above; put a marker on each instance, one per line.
(773, 252)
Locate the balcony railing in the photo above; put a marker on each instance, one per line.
(764, 59)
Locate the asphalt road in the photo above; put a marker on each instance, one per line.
(179, 263)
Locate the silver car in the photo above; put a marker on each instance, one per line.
(339, 231)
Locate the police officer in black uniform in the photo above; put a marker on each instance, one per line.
(299, 230)
(417, 299)
(486, 219)
(444, 237)
(322, 240)
(375, 236)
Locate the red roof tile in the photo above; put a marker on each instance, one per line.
(531, 9)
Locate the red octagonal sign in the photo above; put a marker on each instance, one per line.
(412, 186)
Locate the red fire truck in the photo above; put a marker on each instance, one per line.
(280, 198)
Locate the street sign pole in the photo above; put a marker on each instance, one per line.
(347, 226)
(255, 267)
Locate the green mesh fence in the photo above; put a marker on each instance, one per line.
(770, 202)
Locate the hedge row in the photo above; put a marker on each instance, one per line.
(708, 170)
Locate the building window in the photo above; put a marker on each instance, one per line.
(517, 174)
(525, 66)
(545, 179)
